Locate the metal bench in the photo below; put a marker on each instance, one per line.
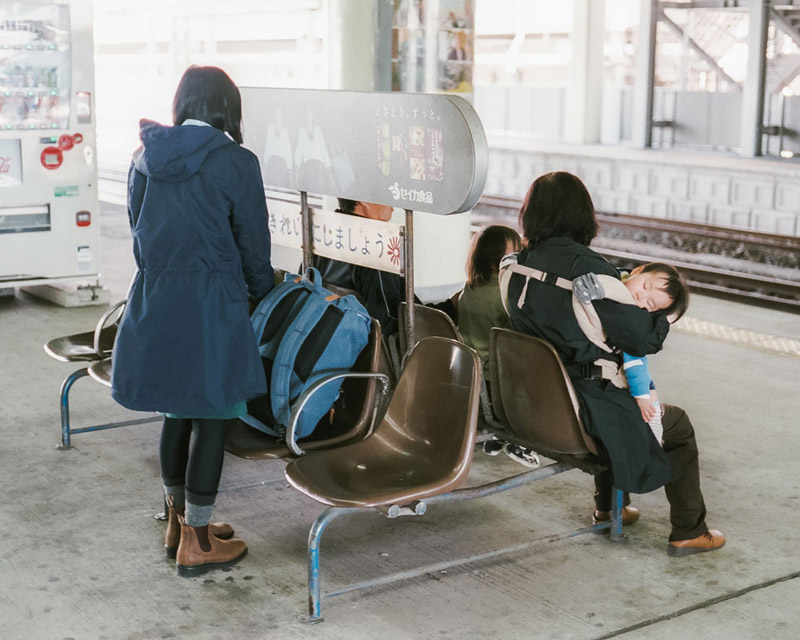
(420, 453)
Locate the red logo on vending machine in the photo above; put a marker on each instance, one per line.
(51, 158)
(5, 165)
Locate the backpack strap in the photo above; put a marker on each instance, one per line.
(280, 390)
(257, 424)
(288, 297)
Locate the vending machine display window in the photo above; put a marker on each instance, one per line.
(34, 66)
(10, 163)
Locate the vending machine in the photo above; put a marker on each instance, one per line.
(49, 227)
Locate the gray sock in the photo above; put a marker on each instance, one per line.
(178, 493)
(198, 515)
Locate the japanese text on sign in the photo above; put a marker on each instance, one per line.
(351, 239)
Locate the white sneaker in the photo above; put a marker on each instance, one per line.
(524, 456)
(493, 447)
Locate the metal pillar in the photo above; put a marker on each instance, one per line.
(308, 253)
(753, 94)
(585, 89)
(354, 43)
(645, 75)
(408, 269)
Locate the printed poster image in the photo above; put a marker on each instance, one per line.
(399, 151)
(384, 153)
(435, 155)
(416, 152)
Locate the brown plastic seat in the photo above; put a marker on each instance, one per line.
(533, 397)
(428, 322)
(101, 372)
(79, 347)
(90, 346)
(421, 448)
(351, 419)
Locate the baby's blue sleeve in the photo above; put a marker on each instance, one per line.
(639, 381)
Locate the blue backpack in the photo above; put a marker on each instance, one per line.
(304, 332)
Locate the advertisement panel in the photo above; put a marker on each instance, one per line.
(413, 151)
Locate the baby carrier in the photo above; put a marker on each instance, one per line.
(585, 314)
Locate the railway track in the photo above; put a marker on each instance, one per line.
(628, 240)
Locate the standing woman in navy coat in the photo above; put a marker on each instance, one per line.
(185, 346)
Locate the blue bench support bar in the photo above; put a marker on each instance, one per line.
(491, 488)
(65, 387)
(67, 431)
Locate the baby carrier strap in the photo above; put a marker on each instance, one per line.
(586, 315)
(509, 265)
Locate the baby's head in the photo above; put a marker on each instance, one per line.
(656, 286)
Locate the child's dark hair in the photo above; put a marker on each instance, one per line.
(488, 248)
(676, 288)
(208, 94)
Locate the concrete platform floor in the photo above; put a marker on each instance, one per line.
(81, 554)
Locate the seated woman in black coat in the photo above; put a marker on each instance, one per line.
(558, 223)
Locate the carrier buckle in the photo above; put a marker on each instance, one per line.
(591, 371)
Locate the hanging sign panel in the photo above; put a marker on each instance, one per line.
(425, 152)
(370, 243)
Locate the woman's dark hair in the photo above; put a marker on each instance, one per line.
(676, 288)
(208, 94)
(557, 204)
(488, 248)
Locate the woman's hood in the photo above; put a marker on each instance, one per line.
(174, 154)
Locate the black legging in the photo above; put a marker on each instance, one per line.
(191, 453)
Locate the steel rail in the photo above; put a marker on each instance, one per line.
(660, 224)
(740, 286)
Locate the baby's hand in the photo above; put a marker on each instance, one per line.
(646, 407)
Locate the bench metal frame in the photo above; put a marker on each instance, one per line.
(66, 429)
(418, 508)
(100, 354)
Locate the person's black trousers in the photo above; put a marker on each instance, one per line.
(687, 508)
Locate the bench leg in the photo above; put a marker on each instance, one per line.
(314, 539)
(616, 516)
(65, 387)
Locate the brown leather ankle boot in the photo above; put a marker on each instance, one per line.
(199, 551)
(221, 530)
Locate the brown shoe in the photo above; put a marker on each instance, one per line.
(711, 540)
(221, 530)
(629, 516)
(199, 552)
